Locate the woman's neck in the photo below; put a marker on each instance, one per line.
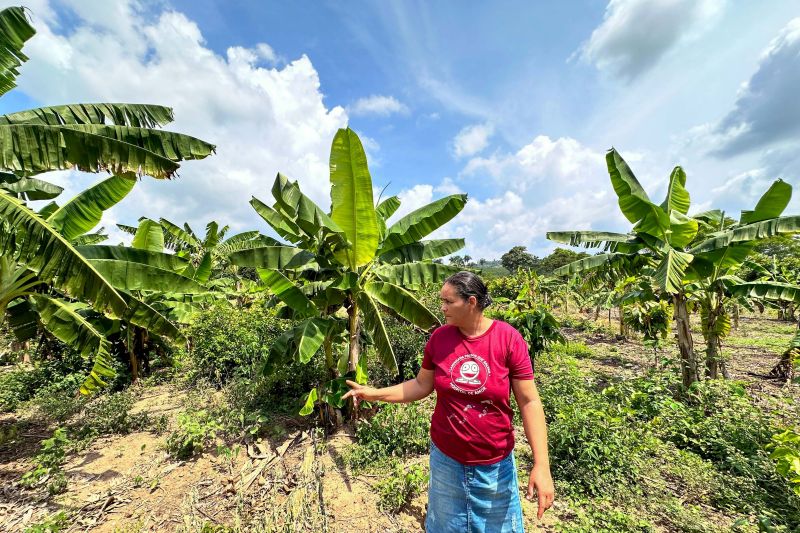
(476, 326)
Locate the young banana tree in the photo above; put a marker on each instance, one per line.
(686, 260)
(207, 257)
(347, 267)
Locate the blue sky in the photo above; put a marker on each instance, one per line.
(513, 103)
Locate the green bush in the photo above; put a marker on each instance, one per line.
(110, 414)
(397, 430)
(400, 485)
(23, 382)
(47, 464)
(408, 343)
(505, 286)
(785, 451)
(20, 384)
(227, 341)
(538, 326)
(60, 400)
(230, 344)
(196, 431)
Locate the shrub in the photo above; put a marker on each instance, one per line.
(60, 400)
(47, 464)
(228, 341)
(785, 451)
(400, 485)
(397, 430)
(505, 286)
(110, 414)
(196, 430)
(230, 344)
(538, 326)
(408, 343)
(19, 385)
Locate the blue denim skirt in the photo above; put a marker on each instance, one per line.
(473, 499)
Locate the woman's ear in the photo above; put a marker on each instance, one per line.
(473, 301)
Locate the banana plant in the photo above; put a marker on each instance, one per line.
(337, 273)
(52, 282)
(689, 253)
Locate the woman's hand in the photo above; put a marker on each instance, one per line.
(542, 482)
(359, 392)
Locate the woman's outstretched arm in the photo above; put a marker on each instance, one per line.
(408, 391)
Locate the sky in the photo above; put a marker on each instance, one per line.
(514, 103)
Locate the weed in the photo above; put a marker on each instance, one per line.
(397, 430)
(196, 430)
(570, 349)
(110, 414)
(400, 486)
(47, 464)
(52, 524)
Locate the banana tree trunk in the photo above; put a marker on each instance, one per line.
(354, 334)
(622, 332)
(131, 352)
(735, 316)
(712, 356)
(689, 373)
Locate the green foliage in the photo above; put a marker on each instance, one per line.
(538, 326)
(516, 258)
(400, 485)
(651, 319)
(47, 464)
(409, 344)
(397, 430)
(227, 341)
(505, 286)
(52, 524)
(20, 384)
(196, 431)
(641, 438)
(603, 516)
(110, 414)
(59, 400)
(558, 258)
(592, 444)
(785, 451)
(570, 349)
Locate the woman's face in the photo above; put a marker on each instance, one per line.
(457, 311)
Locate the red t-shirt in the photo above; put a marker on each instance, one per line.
(472, 421)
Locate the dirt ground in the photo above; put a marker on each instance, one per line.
(127, 483)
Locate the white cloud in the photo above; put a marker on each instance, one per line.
(472, 139)
(448, 187)
(766, 109)
(564, 160)
(377, 105)
(635, 34)
(546, 185)
(262, 120)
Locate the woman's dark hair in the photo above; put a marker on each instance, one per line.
(468, 284)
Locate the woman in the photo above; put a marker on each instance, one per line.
(472, 362)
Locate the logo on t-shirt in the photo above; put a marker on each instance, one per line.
(469, 373)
